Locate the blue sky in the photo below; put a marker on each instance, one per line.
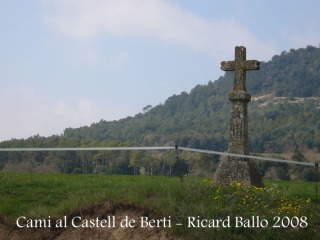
(69, 63)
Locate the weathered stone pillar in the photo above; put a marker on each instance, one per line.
(239, 169)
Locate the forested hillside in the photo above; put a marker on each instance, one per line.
(200, 118)
(284, 115)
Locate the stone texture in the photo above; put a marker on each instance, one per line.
(239, 170)
(236, 168)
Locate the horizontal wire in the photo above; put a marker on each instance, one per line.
(82, 149)
(247, 156)
(153, 148)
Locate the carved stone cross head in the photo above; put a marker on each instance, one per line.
(240, 65)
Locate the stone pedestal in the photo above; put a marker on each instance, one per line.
(239, 170)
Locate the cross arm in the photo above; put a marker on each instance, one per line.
(251, 65)
(240, 65)
(228, 65)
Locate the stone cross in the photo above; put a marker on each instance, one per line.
(237, 168)
(240, 66)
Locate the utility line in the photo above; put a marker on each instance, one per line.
(246, 156)
(83, 149)
(154, 148)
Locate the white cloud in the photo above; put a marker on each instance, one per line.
(158, 19)
(82, 112)
(25, 113)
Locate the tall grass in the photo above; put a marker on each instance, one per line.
(57, 195)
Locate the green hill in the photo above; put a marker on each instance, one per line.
(284, 111)
(284, 116)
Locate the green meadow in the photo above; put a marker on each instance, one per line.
(288, 207)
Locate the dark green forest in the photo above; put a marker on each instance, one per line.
(284, 117)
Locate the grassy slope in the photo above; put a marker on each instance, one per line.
(40, 195)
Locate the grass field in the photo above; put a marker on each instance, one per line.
(287, 204)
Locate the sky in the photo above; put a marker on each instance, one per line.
(69, 63)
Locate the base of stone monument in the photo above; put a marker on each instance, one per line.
(239, 170)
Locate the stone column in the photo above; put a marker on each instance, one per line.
(239, 169)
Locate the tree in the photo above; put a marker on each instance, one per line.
(298, 155)
(147, 108)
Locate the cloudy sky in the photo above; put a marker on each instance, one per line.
(69, 63)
